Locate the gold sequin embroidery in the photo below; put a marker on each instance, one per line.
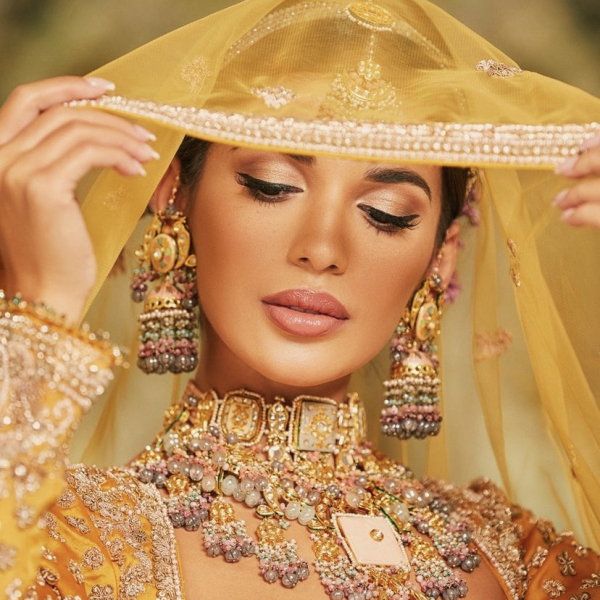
(102, 592)
(78, 523)
(591, 582)
(7, 557)
(275, 97)
(93, 558)
(553, 588)
(497, 69)
(66, 500)
(195, 73)
(566, 564)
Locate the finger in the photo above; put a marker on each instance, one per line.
(27, 101)
(60, 178)
(582, 165)
(74, 134)
(585, 191)
(583, 215)
(60, 116)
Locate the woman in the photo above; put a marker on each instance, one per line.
(316, 259)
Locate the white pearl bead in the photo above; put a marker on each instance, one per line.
(252, 498)
(400, 511)
(229, 485)
(306, 515)
(292, 510)
(219, 458)
(209, 483)
(239, 494)
(353, 499)
(247, 485)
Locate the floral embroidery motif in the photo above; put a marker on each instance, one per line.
(66, 500)
(538, 558)
(566, 564)
(7, 556)
(93, 558)
(78, 523)
(49, 556)
(275, 97)
(114, 199)
(195, 73)
(553, 588)
(497, 69)
(592, 582)
(490, 345)
(583, 596)
(75, 569)
(24, 516)
(102, 592)
(52, 528)
(580, 551)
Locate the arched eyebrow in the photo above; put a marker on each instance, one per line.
(375, 175)
(397, 175)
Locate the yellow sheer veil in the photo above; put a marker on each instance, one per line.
(392, 80)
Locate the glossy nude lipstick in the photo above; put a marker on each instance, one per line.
(305, 313)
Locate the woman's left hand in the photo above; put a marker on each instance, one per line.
(581, 202)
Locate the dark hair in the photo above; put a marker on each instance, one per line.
(192, 154)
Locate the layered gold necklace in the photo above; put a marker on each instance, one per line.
(306, 461)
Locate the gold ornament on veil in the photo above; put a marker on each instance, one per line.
(363, 88)
(168, 324)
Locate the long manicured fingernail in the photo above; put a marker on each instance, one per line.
(154, 154)
(148, 135)
(590, 143)
(141, 170)
(567, 214)
(567, 165)
(560, 197)
(101, 83)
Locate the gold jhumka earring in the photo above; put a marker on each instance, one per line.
(168, 323)
(411, 397)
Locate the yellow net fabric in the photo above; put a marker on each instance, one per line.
(395, 80)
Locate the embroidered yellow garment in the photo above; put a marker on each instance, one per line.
(84, 532)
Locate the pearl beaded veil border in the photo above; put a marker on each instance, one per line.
(398, 80)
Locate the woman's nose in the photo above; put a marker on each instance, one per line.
(319, 242)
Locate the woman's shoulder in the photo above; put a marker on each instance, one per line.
(533, 559)
(107, 520)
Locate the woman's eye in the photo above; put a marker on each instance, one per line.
(386, 222)
(266, 191)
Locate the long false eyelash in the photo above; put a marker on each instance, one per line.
(266, 191)
(387, 223)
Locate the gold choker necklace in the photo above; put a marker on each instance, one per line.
(307, 424)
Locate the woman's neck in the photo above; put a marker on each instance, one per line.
(221, 370)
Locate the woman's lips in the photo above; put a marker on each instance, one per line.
(305, 312)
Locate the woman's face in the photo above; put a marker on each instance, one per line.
(306, 264)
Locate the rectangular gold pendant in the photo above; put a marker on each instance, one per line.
(371, 541)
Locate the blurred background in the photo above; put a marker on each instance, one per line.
(43, 38)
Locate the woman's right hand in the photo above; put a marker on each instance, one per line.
(45, 149)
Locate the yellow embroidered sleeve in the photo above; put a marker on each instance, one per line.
(48, 376)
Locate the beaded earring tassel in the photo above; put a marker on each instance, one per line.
(411, 397)
(169, 321)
